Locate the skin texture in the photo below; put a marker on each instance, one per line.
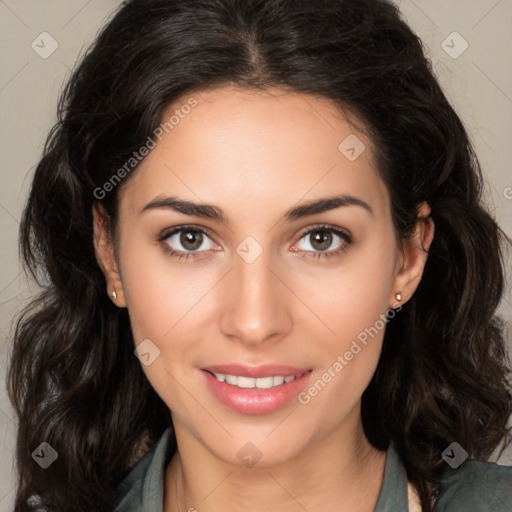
(256, 154)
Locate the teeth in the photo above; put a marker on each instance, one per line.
(278, 380)
(250, 382)
(265, 382)
(243, 382)
(231, 379)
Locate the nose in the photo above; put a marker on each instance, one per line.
(255, 302)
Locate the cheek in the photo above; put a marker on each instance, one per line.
(165, 300)
(351, 297)
(159, 290)
(352, 302)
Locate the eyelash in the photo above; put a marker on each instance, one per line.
(345, 237)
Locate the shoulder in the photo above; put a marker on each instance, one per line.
(476, 487)
(143, 487)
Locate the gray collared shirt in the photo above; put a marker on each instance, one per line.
(473, 487)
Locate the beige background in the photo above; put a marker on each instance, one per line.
(478, 82)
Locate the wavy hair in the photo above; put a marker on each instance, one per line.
(74, 382)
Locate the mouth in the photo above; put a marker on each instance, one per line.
(269, 382)
(255, 390)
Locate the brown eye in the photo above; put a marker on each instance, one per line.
(191, 240)
(323, 242)
(320, 240)
(187, 240)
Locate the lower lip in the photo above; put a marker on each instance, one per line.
(254, 400)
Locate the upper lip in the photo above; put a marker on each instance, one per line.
(265, 370)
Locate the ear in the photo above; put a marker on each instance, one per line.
(105, 254)
(414, 257)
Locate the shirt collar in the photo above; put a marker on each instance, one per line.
(393, 494)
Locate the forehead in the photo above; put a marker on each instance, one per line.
(238, 147)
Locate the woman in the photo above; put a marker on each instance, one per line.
(270, 281)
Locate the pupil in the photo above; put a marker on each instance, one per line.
(191, 240)
(323, 238)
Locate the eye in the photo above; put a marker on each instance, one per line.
(320, 239)
(185, 241)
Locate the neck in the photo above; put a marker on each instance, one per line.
(340, 472)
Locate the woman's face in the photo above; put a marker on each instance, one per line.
(264, 292)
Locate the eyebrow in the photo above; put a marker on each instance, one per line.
(208, 211)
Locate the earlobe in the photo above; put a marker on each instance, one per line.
(414, 256)
(105, 254)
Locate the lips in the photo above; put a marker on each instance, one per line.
(255, 389)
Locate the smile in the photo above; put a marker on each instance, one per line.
(255, 389)
(251, 382)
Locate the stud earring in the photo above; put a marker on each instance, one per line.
(114, 295)
(398, 296)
